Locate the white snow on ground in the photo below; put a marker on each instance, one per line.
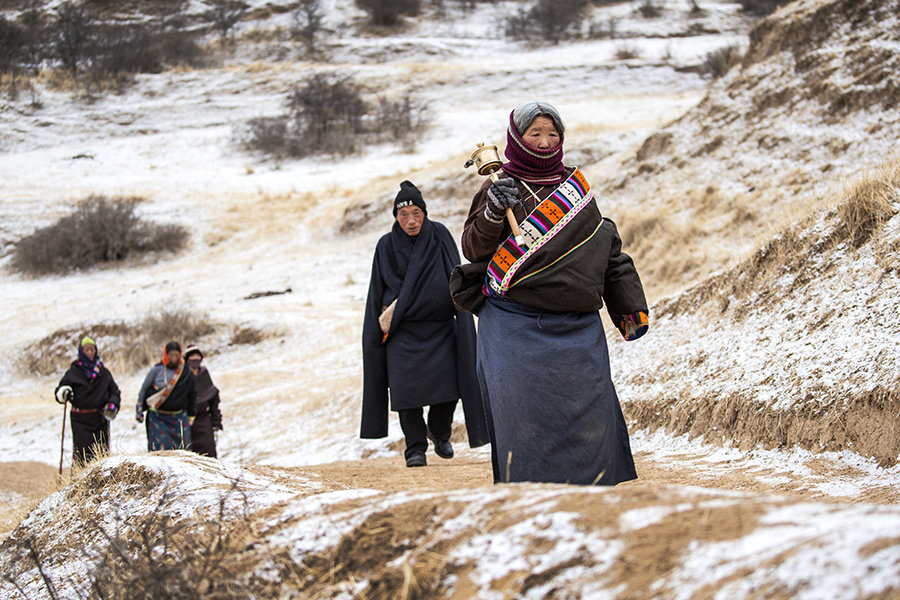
(293, 399)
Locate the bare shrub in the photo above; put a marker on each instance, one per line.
(307, 24)
(12, 42)
(247, 336)
(388, 12)
(142, 48)
(226, 14)
(761, 8)
(650, 9)
(719, 61)
(328, 115)
(400, 119)
(71, 28)
(627, 51)
(98, 231)
(550, 20)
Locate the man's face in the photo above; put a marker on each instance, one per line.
(410, 219)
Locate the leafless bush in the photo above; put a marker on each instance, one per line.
(761, 8)
(550, 20)
(388, 12)
(121, 49)
(151, 552)
(650, 9)
(307, 24)
(72, 25)
(328, 115)
(627, 51)
(719, 61)
(226, 14)
(98, 231)
(12, 42)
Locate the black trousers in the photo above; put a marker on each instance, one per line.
(90, 436)
(412, 422)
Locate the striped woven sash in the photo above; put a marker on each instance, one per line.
(543, 223)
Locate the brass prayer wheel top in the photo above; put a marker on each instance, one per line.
(486, 159)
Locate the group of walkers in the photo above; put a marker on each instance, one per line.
(535, 383)
(178, 402)
(534, 380)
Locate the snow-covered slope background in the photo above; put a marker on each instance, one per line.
(761, 403)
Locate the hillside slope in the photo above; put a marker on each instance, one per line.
(794, 346)
(815, 100)
(218, 531)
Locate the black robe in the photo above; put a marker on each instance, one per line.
(209, 418)
(429, 354)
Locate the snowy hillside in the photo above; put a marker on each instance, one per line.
(761, 403)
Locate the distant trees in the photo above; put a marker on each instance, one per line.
(72, 28)
(307, 24)
(329, 114)
(226, 14)
(72, 36)
(761, 8)
(549, 20)
(388, 12)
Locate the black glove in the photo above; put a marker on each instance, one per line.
(502, 194)
(139, 414)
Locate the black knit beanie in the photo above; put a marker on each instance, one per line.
(409, 195)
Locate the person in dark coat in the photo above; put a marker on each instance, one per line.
(90, 388)
(543, 362)
(415, 343)
(209, 418)
(169, 393)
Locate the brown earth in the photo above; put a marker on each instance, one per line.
(24, 484)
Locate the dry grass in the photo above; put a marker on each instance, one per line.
(128, 348)
(869, 203)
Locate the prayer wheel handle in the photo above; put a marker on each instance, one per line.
(487, 160)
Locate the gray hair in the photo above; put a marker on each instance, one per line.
(526, 113)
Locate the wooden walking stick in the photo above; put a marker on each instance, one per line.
(62, 439)
(487, 159)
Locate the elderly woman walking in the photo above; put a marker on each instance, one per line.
(90, 388)
(169, 393)
(415, 343)
(543, 363)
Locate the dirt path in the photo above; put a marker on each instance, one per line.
(23, 484)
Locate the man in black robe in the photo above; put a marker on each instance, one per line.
(415, 342)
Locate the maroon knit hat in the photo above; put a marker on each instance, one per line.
(530, 164)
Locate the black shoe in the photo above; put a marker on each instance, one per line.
(442, 448)
(416, 459)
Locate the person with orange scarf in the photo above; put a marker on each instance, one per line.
(169, 397)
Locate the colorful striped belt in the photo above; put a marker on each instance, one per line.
(84, 410)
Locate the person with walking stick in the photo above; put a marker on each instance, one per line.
(91, 390)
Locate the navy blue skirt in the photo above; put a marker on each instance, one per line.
(553, 412)
(168, 431)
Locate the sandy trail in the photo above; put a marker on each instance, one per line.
(24, 484)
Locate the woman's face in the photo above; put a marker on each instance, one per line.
(174, 357)
(90, 351)
(542, 134)
(410, 219)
